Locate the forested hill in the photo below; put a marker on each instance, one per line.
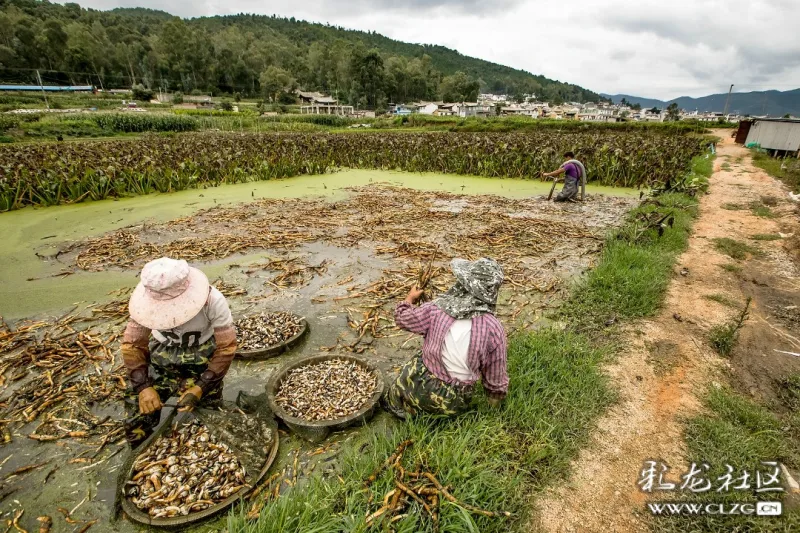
(248, 54)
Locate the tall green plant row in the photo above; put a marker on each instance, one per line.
(48, 174)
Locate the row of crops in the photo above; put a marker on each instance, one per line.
(141, 122)
(108, 123)
(49, 174)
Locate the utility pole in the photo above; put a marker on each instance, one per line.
(727, 102)
(41, 86)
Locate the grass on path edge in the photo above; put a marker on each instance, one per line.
(738, 431)
(496, 458)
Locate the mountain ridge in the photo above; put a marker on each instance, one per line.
(770, 102)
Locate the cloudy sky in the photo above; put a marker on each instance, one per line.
(651, 48)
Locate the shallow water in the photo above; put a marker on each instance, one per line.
(31, 231)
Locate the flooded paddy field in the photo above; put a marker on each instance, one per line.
(340, 250)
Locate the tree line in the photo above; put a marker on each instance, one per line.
(252, 55)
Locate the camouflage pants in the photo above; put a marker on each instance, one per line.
(173, 369)
(569, 191)
(417, 390)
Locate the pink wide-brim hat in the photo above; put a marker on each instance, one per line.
(169, 294)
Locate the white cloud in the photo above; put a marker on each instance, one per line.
(647, 48)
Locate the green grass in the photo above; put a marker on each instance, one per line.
(723, 337)
(735, 249)
(737, 431)
(732, 207)
(492, 458)
(731, 267)
(702, 166)
(719, 434)
(496, 459)
(765, 237)
(787, 170)
(51, 127)
(761, 210)
(721, 299)
(631, 280)
(726, 166)
(790, 392)
(25, 100)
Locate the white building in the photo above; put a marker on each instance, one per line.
(519, 110)
(473, 109)
(596, 116)
(426, 108)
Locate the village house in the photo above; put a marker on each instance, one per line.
(523, 111)
(492, 98)
(426, 108)
(712, 117)
(649, 116)
(319, 104)
(402, 109)
(596, 116)
(446, 110)
(473, 109)
(598, 113)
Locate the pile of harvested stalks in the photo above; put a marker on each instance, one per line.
(52, 371)
(420, 488)
(419, 231)
(404, 223)
(229, 290)
(293, 272)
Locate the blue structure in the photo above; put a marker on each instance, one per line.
(48, 88)
(402, 110)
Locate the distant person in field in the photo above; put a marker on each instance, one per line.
(463, 342)
(574, 174)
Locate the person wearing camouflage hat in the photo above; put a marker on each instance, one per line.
(463, 342)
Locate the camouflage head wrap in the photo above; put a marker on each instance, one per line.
(475, 292)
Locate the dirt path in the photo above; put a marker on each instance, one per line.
(669, 364)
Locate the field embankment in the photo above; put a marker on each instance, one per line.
(698, 385)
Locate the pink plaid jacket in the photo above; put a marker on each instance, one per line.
(487, 346)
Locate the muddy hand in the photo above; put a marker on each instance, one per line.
(414, 294)
(149, 402)
(190, 398)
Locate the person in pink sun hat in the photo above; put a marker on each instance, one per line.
(180, 339)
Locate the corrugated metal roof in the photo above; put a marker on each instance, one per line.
(51, 88)
(793, 120)
(781, 134)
